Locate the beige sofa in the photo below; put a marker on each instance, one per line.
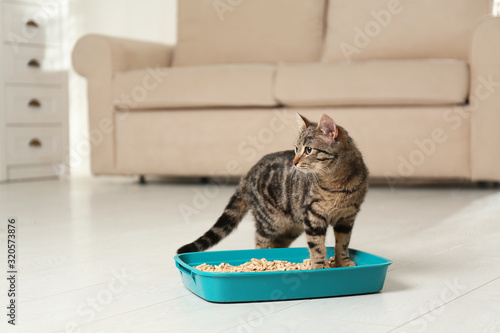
(416, 83)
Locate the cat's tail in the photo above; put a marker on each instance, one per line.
(227, 222)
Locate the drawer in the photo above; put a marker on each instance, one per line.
(31, 145)
(26, 105)
(31, 24)
(31, 64)
(31, 171)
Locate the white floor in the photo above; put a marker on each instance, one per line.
(96, 255)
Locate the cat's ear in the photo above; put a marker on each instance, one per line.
(328, 127)
(302, 121)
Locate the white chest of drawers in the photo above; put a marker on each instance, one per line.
(33, 90)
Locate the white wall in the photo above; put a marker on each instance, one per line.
(153, 20)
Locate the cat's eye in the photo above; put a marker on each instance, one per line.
(296, 149)
(308, 150)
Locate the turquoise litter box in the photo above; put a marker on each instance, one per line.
(367, 277)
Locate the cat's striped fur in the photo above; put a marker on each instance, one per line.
(322, 183)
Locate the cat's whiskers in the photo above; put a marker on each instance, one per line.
(310, 175)
(323, 171)
(305, 171)
(292, 178)
(315, 177)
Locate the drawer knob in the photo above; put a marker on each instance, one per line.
(34, 103)
(32, 24)
(35, 143)
(34, 63)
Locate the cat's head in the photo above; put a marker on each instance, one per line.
(318, 145)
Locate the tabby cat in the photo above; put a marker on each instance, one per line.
(322, 183)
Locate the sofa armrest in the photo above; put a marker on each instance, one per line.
(484, 100)
(99, 56)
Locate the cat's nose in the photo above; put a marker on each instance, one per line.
(295, 162)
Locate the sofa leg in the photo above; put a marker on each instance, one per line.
(142, 180)
(488, 185)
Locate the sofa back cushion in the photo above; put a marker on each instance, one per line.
(401, 29)
(249, 31)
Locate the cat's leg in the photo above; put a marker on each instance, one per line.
(315, 226)
(342, 230)
(261, 241)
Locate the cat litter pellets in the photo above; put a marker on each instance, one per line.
(260, 265)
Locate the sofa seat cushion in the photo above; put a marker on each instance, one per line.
(190, 87)
(389, 82)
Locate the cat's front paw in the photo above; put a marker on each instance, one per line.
(344, 263)
(320, 265)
